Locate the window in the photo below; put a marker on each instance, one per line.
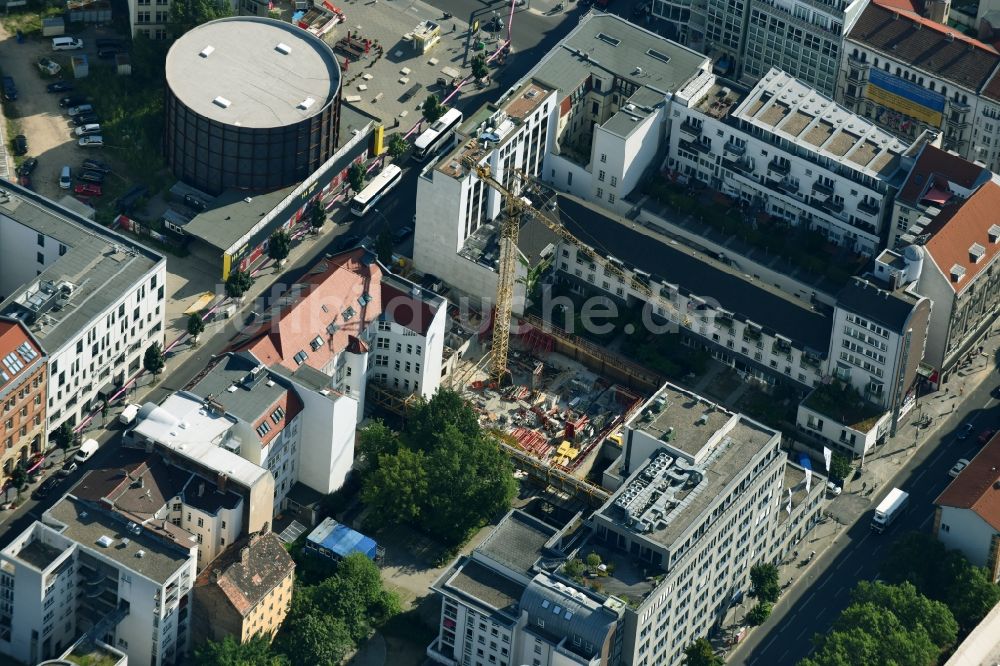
(614, 181)
(40, 258)
(201, 522)
(600, 193)
(611, 198)
(600, 176)
(604, 158)
(41, 240)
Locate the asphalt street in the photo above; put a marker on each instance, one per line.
(814, 602)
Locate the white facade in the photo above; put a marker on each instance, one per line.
(149, 18)
(64, 581)
(325, 445)
(966, 531)
(789, 151)
(94, 300)
(851, 440)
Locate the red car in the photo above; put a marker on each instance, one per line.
(89, 189)
(986, 435)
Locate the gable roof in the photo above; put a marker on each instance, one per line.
(958, 228)
(924, 44)
(247, 571)
(337, 298)
(935, 168)
(978, 486)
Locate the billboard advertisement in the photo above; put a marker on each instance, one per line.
(905, 97)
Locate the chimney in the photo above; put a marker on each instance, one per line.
(214, 576)
(220, 481)
(201, 489)
(265, 528)
(245, 555)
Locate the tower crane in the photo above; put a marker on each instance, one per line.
(510, 225)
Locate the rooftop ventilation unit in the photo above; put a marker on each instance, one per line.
(105, 541)
(283, 49)
(306, 103)
(207, 51)
(140, 553)
(222, 101)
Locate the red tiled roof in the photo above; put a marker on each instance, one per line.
(978, 486)
(934, 165)
(291, 404)
(339, 294)
(245, 579)
(407, 311)
(13, 334)
(917, 41)
(956, 229)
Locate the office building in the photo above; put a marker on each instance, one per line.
(86, 569)
(967, 514)
(92, 299)
(246, 592)
(22, 395)
(787, 150)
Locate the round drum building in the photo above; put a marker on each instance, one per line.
(251, 103)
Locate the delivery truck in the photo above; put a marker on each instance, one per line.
(889, 509)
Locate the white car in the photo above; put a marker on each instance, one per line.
(94, 140)
(90, 128)
(833, 489)
(957, 469)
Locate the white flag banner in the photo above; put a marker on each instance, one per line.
(827, 455)
(809, 480)
(789, 507)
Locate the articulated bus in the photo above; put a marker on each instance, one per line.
(437, 135)
(376, 189)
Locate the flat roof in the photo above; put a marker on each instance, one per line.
(517, 542)
(609, 43)
(86, 525)
(696, 274)
(251, 399)
(102, 266)
(689, 418)
(252, 72)
(783, 106)
(489, 587)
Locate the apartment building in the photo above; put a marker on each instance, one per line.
(702, 499)
(22, 395)
(500, 607)
(909, 74)
(937, 178)
(92, 299)
(87, 569)
(766, 334)
(714, 27)
(967, 513)
(149, 18)
(353, 321)
(786, 149)
(246, 592)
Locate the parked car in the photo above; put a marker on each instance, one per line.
(92, 141)
(59, 86)
(86, 119)
(27, 167)
(80, 109)
(47, 487)
(346, 242)
(401, 234)
(72, 100)
(832, 489)
(109, 52)
(65, 178)
(127, 201)
(87, 449)
(88, 189)
(20, 145)
(109, 42)
(986, 435)
(965, 431)
(50, 67)
(958, 467)
(66, 43)
(89, 176)
(96, 165)
(68, 469)
(89, 128)
(9, 89)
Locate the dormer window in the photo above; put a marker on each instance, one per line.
(957, 273)
(976, 253)
(994, 233)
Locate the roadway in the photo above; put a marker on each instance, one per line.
(806, 610)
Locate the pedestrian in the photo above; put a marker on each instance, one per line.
(864, 484)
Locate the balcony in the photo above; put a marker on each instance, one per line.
(868, 208)
(822, 188)
(741, 165)
(690, 128)
(832, 206)
(858, 62)
(734, 149)
(779, 167)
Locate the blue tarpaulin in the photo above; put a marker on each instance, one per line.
(804, 461)
(332, 539)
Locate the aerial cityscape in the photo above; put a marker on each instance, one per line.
(500, 333)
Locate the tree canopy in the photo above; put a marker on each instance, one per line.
(700, 653)
(840, 466)
(432, 108)
(317, 640)
(238, 283)
(195, 325)
(356, 177)
(764, 579)
(479, 66)
(442, 473)
(398, 145)
(230, 652)
(187, 14)
(279, 245)
(153, 360)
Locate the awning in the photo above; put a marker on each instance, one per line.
(200, 304)
(107, 391)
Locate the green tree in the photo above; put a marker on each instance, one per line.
(18, 477)
(700, 653)
(153, 360)
(759, 613)
(479, 67)
(104, 412)
(871, 634)
(972, 595)
(186, 14)
(317, 216)
(64, 437)
(840, 466)
(356, 596)
(593, 560)
(428, 418)
(383, 247)
(533, 276)
(238, 283)
(398, 145)
(279, 245)
(230, 652)
(377, 439)
(317, 640)
(911, 608)
(396, 490)
(432, 108)
(195, 326)
(356, 177)
(764, 579)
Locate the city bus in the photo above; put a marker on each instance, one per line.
(437, 135)
(375, 190)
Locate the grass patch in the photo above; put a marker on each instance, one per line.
(843, 403)
(410, 626)
(29, 19)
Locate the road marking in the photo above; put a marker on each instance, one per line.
(860, 567)
(806, 600)
(925, 520)
(918, 476)
(824, 584)
(768, 644)
(796, 638)
(781, 659)
(840, 564)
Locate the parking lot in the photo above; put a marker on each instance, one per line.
(36, 113)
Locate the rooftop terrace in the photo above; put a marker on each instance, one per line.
(844, 404)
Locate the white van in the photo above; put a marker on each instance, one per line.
(65, 178)
(66, 43)
(128, 414)
(87, 449)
